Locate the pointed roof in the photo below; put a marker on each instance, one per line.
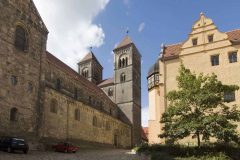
(89, 56)
(126, 41)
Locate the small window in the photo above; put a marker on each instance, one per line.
(229, 97)
(85, 72)
(53, 106)
(110, 92)
(77, 114)
(215, 60)
(94, 122)
(110, 111)
(194, 41)
(21, 39)
(58, 84)
(75, 93)
(14, 80)
(232, 57)
(13, 114)
(122, 77)
(210, 38)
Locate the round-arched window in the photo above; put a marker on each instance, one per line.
(21, 40)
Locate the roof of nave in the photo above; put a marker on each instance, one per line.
(106, 82)
(86, 83)
(171, 51)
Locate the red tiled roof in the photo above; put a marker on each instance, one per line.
(144, 133)
(106, 82)
(172, 51)
(234, 35)
(86, 83)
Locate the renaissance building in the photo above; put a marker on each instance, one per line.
(206, 50)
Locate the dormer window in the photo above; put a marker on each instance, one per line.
(210, 38)
(194, 41)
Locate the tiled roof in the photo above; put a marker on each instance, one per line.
(126, 41)
(106, 82)
(172, 51)
(234, 35)
(144, 133)
(86, 83)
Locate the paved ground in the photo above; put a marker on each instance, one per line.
(80, 155)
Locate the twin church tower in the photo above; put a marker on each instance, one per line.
(124, 88)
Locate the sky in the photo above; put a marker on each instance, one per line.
(76, 25)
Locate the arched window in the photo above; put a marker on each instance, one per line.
(126, 61)
(53, 106)
(123, 77)
(94, 122)
(77, 114)
(21, 42)
(85, 72)
(120, 63)
(123, 62)
(58, 84)
(110, 92)
(13, 114)
(110, 111)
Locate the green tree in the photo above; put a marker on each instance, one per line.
(198, 109)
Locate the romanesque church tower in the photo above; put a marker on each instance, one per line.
(127, 80)
(90, 68)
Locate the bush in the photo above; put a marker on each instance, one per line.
(217, 151)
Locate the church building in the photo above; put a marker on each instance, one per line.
(45, 101)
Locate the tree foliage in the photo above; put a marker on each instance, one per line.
(198, 109)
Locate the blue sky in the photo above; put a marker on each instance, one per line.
(161, 21)
(166, 21)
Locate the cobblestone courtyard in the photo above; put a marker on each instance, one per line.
(80, 155)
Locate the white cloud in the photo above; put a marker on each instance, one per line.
(141, 27)
(71, 27)
(145, 116)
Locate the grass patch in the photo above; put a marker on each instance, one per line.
(178, 152)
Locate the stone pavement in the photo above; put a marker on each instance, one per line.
(96, 154)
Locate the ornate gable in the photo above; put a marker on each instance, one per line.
(204, 36)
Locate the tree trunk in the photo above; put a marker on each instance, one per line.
(198, 139)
